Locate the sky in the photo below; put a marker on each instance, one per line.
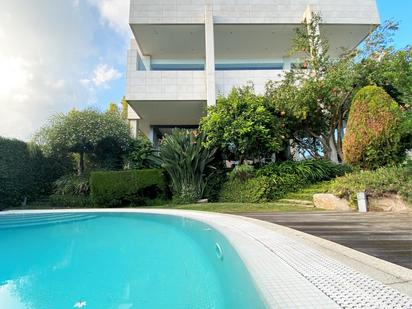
(56, 55)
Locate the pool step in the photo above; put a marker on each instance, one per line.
(23, 220)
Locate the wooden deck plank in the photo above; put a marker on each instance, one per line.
(384, 235)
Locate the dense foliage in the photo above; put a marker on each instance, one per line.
(105, 137)
(373, 138)
(73, 185)
(136, 187)
(186, 160)
(310, 171)
(70, 201)
(25, 173)
(396, 179)
(242, 126)
(382, 65)
(274, 181)
(140, 154)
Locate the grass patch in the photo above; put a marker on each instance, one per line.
(241, 207)
(212, 207)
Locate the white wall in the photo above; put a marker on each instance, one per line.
(226, 80)
(165, 85)
(252, 11)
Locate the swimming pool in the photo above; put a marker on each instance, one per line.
(119, 260)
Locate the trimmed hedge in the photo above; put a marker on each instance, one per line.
(137, 187)
(373, 136)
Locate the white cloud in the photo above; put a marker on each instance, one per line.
(45, 52)
(102, 75)
(115, 13)
(76, 3)
(56, 55)
(14, 75)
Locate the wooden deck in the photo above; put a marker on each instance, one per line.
(384, 235)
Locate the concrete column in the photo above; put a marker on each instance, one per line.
(133, 119)
(210, 56)
(134, 127)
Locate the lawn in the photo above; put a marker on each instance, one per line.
(281, 206)
(240, 207)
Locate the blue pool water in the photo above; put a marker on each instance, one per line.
(124, 261)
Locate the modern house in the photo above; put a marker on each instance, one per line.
(185, 53)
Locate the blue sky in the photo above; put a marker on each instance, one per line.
(401, 11)
(56, 55)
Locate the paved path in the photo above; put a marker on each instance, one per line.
(384, 235)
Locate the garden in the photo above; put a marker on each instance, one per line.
(340, 126)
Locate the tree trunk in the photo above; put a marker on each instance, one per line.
(333, 153)
(80, 171)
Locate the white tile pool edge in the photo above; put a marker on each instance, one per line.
(287, 269)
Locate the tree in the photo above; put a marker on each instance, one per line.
(242, 126)
(125, 106)
(84, 132)
(317, 96)
(373, 138)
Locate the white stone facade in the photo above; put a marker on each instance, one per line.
(251, 11)
(185, 53)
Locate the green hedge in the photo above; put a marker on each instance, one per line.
(25, 172)
(136, 187)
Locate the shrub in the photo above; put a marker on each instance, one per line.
(372, 136)
(186, 161)
(242, 172)
(138, 187)
(274, 181)
(69, 201)
(215, 182)
(253, 190)
(309, 170)
(396, 179)
(140, 154)
(72, 185)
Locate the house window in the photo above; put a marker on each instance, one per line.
(177, 67)
(248, 66)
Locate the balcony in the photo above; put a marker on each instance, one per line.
(226, 80)
(166, 86)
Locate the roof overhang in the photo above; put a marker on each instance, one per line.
(237, 41)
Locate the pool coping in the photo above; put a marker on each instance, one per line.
(295, 269)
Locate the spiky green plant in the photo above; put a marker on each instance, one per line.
(184, 157)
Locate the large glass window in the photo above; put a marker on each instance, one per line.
(177, 67)
(248, 66)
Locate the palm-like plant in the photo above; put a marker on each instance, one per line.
(185, 159)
